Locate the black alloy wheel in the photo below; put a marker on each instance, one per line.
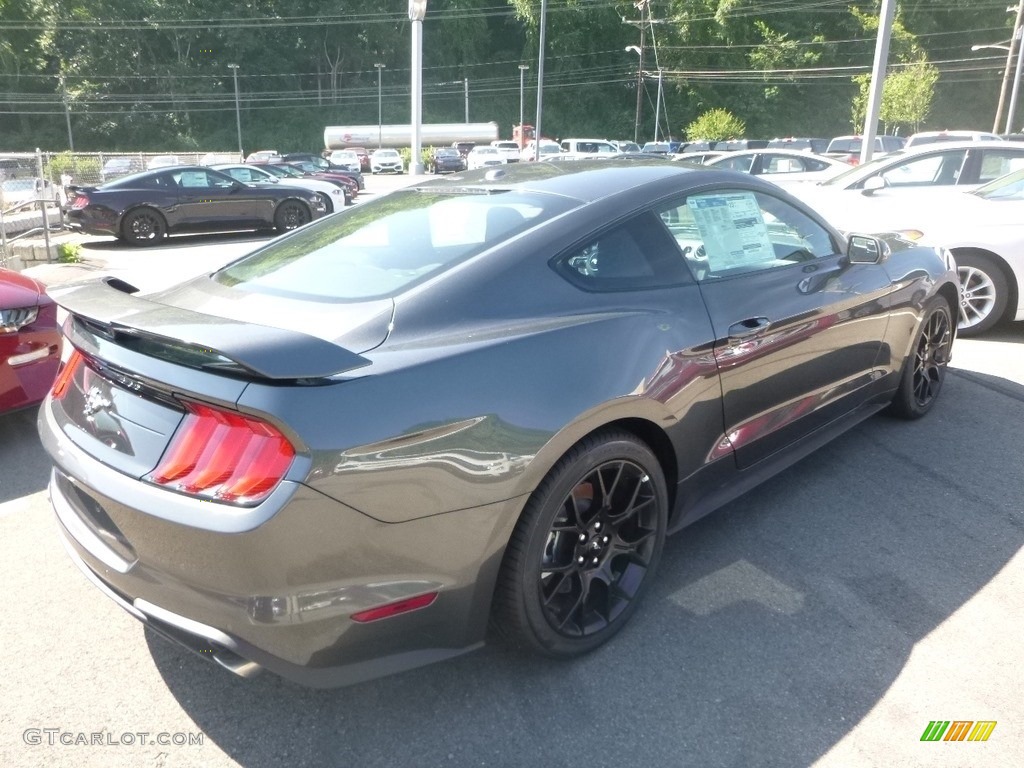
(290, 215)
(925, 369)
(143, 226)
(585, 548)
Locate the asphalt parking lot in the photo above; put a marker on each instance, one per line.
(824, 619)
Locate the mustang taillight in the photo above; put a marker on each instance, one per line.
(60, 384)
(224, 456)
(80, 201)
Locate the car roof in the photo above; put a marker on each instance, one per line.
(774, 151)
(591, 180)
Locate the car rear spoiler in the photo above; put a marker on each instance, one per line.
(109, 307)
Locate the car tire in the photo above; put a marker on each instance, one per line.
(983, 293)
(143, 226)
(290, 215)
(585, 548)
(925, 367)
(328, 203)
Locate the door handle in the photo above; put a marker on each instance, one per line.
(749, 327)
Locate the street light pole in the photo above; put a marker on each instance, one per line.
(657, 108)
(540, 79)
(522, 74)
(465, 83)
(238, 112)
(380, 119)
(417, 10)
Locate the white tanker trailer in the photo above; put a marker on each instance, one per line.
(433, 134)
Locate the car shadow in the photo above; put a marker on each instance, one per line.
(773, 628)
(1007, 331)
(100, 244)
(25, 465)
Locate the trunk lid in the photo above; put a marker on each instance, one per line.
(136, 359)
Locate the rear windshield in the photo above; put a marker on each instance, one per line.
(385, 246)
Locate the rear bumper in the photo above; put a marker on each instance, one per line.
(92, 223)
(280, 596)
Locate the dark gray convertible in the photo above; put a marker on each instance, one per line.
(477, 402)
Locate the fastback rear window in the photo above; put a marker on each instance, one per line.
(380, 248)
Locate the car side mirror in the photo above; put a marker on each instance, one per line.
(865, 249)
(873, 184)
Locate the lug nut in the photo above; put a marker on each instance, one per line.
(595, 561)
(583, 537)
(581, 560)
(604, 540)
(597, 526)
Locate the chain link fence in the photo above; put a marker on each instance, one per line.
(31, 182)
(90, 168)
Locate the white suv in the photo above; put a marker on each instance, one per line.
(587, 149)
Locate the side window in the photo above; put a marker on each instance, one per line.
(193, 179)
(161, 181)
(939, 169)
(741, 163)
(729, 232)
(636, 255)
(242, 174)
(783, 164)
(998, 162)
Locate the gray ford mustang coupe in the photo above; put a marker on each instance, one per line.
(478, 403)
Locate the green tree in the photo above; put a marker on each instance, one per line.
(906, 97)
(716, 125)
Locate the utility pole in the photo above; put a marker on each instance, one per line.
(645, 7)
(1014, 45)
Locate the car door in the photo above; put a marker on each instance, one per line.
(798, 328)
(209, 200)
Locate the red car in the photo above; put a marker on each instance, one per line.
(30, 341)
(364, 157)
(311, 169)
(293, 170)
